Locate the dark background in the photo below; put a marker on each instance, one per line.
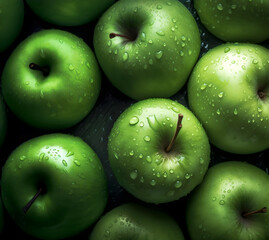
(95, 128)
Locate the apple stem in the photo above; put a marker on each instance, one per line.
(30, 203)
(112, 35)
(261, 94)
(262, 210)
(179, 126)
(44, 70)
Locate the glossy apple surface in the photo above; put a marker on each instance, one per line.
(158, 45)
(138, 155)
(66, 88)
(136, 221)
(11, 19)
(229, 93)
(235, 21)
(70, 177)
(218, 207)
(69, 12)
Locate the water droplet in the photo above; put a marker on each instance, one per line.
(152, 182)
(171, 171)
(220, 94)
(178, 184)
(71, 67)
(77, 163)
(22, 158)
(255, 61)
(220, 7)
(69, 153)
(150, 61)
(140, 155)
(131, 153)
(42, 53)
(221, 202)
(202, 161)
(148, 158)
(109, 43)
(235, 111)
(214, 198)
(160, 33)
(133, 174)
(227, 49)
(159, 6)
(187, 176)
(61, 41)
(125, 57)
(143, 36)
(134, 121)
(159, 54)
(259, 109)
(147, 138)
(203, 87)
(233, 6)
(205, 68)
(218, 111)
(64, 163)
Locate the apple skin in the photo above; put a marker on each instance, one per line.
(3, 121)
(158, 59)
(1, 217)
(136, 221)
(136, 151)
(69, 12)
(229, 189)
(11, 18)
(223, 94)
(74, 179)
(235, 21)
(64, 97)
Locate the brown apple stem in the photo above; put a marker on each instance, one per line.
(179, 126)
(261, 94)
(30, 203)
(262, 210)
(44, 70)
(112, 35)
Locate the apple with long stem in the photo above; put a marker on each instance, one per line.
(228, 91)
(51, 80)
(158, 150)
(11, 19)
(136, 221)
(69, 12)
(147, 48)
(235, 21)
(231, 203)
(54, 186)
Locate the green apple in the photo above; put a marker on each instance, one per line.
(229, 93)
(54, 186)
(229, 203)
(51, 80)
(235, 20)
(136, 221)
(11, 21)
(69, 12)
(158, 150)
(1, 217)
(147, 48)
(3, 122)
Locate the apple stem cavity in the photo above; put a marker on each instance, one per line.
(262, 210)
(261, 94)
(112, 35)
(30, 203)
(179, 126)
(44, 70)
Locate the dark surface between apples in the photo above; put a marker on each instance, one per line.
(95, 128)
